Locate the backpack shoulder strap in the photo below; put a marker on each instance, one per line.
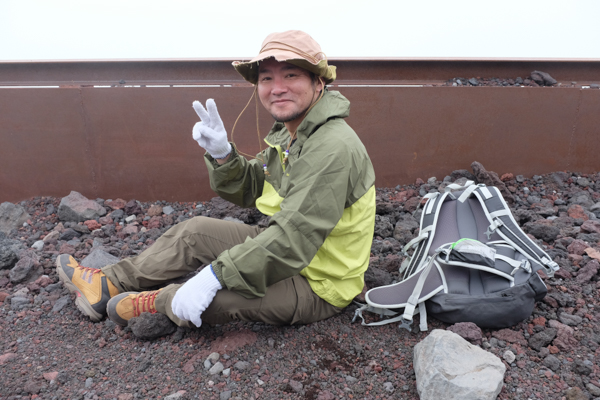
(422, 242)
(502, 222)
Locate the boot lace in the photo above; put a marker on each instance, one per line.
(88, 269)
(144, 302)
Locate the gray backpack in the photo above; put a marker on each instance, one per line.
(471, 263)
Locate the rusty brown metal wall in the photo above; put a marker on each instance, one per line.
(135, 142)
(350, 71)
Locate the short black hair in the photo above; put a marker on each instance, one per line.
(313, 77)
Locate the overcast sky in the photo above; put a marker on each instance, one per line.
(151, 29)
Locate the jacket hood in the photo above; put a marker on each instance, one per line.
(332, 105)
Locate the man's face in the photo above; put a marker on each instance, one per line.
(285, 90)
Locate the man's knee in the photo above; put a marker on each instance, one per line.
(193, 225)
(202, 224)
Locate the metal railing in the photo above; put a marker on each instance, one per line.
(122, 128)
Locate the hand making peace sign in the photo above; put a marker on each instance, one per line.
(210, 132)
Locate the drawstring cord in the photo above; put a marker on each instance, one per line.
(253, 95)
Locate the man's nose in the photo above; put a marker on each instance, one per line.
(279, 86)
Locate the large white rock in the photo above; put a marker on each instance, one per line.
(448, 367)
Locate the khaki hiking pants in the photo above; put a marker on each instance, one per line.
(192, 243)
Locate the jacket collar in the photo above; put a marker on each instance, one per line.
(332, 105)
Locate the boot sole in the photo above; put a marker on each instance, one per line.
(80, 301)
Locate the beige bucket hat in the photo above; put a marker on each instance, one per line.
(295, 47)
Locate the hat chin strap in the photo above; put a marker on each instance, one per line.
(320, 96)
(253, 95)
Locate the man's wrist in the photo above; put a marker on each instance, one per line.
(223, 160)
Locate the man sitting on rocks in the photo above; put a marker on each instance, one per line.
(314, 178)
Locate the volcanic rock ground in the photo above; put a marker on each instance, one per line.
(49, 350)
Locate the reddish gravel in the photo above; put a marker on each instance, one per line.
(48, 350)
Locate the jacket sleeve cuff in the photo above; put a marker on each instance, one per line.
(213, 162)
(217, 268)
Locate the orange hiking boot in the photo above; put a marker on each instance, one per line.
(128, 305)
(92, 287)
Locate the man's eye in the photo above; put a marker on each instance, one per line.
(265, 78)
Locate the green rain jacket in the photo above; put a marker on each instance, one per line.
(322, 203)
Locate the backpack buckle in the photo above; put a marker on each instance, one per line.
(492, 228)
(406, 324)
(357, 313)
(525, 265)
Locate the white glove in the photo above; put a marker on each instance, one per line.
(210, 132)
(195, 296)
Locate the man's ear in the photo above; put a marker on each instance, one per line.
(320, 85)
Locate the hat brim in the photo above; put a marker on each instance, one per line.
(249, 70)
